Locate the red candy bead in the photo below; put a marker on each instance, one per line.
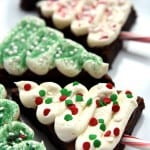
(115, 108)
(38, 100)
(86, 146)
(107, 133)
(27, 87)
(73, 109)
(116, 131)
(93, 122)
(106, 100)
(46, 111)
(62, 98)
(109, 85)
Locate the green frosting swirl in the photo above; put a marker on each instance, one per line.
(14, 135)
(8, 111)
(24, 145)
(15, 132)
(32, 45)
(14, 47)
(18, 136)
(41, 50)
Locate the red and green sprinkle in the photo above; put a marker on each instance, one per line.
(64, 94)
(129, 94)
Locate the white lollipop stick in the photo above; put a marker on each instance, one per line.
(134, 37)
(135, 142)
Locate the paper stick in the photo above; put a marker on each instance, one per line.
(134, 37)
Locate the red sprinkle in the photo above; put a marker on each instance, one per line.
(116, 131)
(107, 133)
(73, 109)
(46, 111)
(86, 146)
(27, 87)
(109, 85)
(106, 100)
(93, 122)
(115, 108)
(62, 98)
(38, 100)
(128, 92)
(97, 103)
(22, 136)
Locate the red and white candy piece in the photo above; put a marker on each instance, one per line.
(134, 37)
(135, 142)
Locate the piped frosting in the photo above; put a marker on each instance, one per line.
(96, 118)
(100, 20)
(14, 134)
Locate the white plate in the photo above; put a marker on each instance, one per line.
(131, 69)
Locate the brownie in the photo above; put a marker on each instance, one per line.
(87, 80)
(108, 52)
(50, 133)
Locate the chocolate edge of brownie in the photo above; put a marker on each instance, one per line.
(31, 115)
(28, 5)
(108, 53)
(53, 76)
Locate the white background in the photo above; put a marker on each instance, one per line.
(131, 69)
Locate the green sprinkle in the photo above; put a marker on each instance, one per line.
(79, 98)
(92, 136)
(89, 102)
(129, 95)
(68, 102)
(103, 127)
(101, 103)
(75, 83)
(42, 93)
(65, 92)
(68, 117)
(97, 143)
(113, 97)
(115, 102)
(48, 100)
(101, 120)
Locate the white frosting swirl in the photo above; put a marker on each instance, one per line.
(96, 118)
(3, 92)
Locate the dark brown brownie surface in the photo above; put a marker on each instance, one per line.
(54, 76)
(28, 5)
